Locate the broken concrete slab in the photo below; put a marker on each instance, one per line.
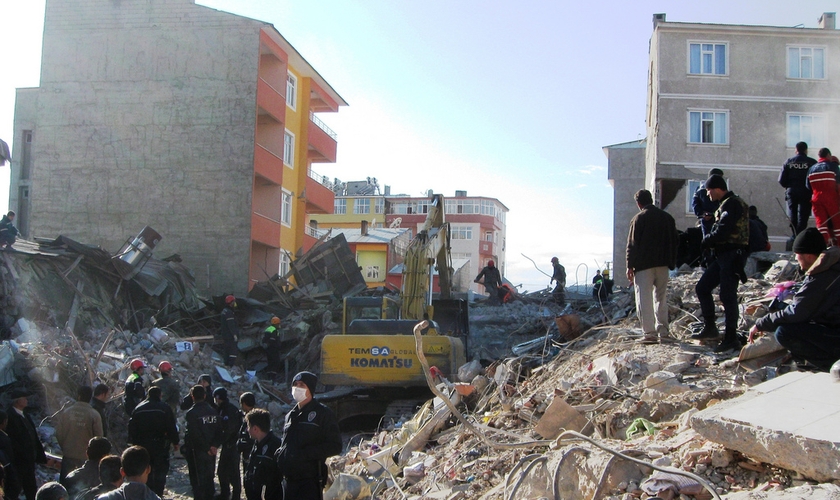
(560, 416)
(789, 421)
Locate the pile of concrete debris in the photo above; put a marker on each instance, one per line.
(606, 417)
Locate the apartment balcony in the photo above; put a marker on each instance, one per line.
(320, 199)
(323, 142)
(271, 101)
(265, 230)
(268, 165)
(486, 248)
(311, 236)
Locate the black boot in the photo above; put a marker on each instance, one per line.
(731, 342)
(710, 332)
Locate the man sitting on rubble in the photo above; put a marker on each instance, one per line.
(810, 326)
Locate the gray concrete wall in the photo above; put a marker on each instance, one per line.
(758, 96)
(146, 116)
(626, 172)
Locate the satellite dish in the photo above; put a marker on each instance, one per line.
(395, 223)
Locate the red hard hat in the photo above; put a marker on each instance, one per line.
(230, 299)
(165, 366)
(491, 263)
(275, 320)
(137, 364)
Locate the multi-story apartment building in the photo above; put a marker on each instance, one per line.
(477, 223)
(738, 98)
(197, 122)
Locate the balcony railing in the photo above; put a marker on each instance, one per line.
(320, 179)
(315, 232)
(323, 126)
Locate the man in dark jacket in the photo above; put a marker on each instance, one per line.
(728, 241)
(704, 207)
(135, 467)
(310, 436)
(135, 388)
(492, 281)
(651, 252)
(153, 426)
(87, 476)
(262, 477)
(110, 478)
(271, 341)
(98, 402)
(11, 483)
(201, 444)
(26, 445)
(229, 331)
(245, 442)
(559, 277)
(204, 380)
(169, 387)
(230, 486)
(792, 177)
(759, 240)
(810, 326)
(8, 231)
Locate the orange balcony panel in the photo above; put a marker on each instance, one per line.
(319, 100)
(322, 147)
(308, 242)
(486, 248)
(268, 165)
(265, 230)
(319, 198)
(271, 101)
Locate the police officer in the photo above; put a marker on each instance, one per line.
(229, 331)
(228, 469)
(271, 342)
(262, 472)
(310, 436)
(247, 402)
(152, 426)
(169, 390)
(135, 391)
(201, 443)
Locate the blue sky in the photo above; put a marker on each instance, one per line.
(512, 100)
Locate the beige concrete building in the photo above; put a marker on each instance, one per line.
(199, 123)
(738, 98)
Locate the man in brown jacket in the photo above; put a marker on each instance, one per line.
(651, 252)
(75, 427)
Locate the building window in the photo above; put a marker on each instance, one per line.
(461, 232)
(340, 206)
(285, 263)
(706, 58)
(379, 206)
(708, 127)
(291, 91)
(806, 63)
(361, 205)
(286, 209)
(807, 128)
(289, 149)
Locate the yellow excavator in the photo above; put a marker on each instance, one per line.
(376, 348)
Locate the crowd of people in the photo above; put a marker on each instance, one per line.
(808, 327)
(220, 440)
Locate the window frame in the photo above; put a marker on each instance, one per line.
(340, 203)
(289, 148)
(461, 232)
(816, 138)
(285, 263)
(713, 43)
(358, 203)
(799, 47)
(724, 112)
(379, 206)
(291, 82)
(286, 207)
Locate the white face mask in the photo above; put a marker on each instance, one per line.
(299, 393)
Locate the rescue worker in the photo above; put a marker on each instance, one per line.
(201, 444)
(229, 331)
(75, 426)
(135, 391)
(230, 486)
(204, 380)
(98, 401)
(153, 426)
(247, 402)
(310, 436)
(262, 476)
(492, 281)
(823, 179)
(271, 342)
(558, 277)
(169, 387)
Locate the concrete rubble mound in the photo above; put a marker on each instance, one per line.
(556, 402)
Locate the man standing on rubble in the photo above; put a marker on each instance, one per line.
(823, 180)
(229, 331)
(810, 326)
(153, 426)
(74, 428)
(729, 244)
(651, 252)
(492, 282)
(201, 444)
(26, 445)
(98, 401)
(135, 391)
(271, 342)
(230, 484)
(559, 277)
(168, 387)
(310, 436)
(797, 194)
